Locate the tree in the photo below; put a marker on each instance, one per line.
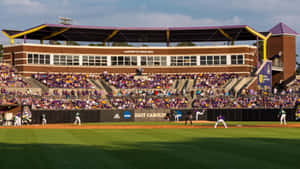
(297, 65)
(96, 44)
(73, 43)
(54, 42)
(260, 49)
(185, 44)
(1, 51)
(121, 44)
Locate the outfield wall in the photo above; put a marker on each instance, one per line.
(67, 116)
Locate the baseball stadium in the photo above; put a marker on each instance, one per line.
(75, 96)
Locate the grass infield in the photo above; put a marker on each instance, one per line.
(234, 148)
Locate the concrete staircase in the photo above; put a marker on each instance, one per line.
(36, 84)
(231, 84)
(242, 84)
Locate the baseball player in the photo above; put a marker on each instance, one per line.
(220, 118)
(282, 116)
(17, 121)
(189, 116)
(199, 113)
(77, 119)
(44, 121)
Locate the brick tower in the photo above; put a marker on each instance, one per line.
(281, 49)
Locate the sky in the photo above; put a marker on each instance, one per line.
(259, 14)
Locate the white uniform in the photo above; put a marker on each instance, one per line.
(17, 121)
(283, 117)
(198, 113)
(220, 120)
(77, 119)
(44, 121)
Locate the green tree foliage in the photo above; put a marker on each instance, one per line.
(73, 43)
(54, 42)
(186, 44)
(121, 44)
(96, 44)
(1, 50)
(298, 65)
(260, 49)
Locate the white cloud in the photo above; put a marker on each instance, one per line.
(278, 6)
(24, 6)
(25, 3)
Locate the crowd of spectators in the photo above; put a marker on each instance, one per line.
(127, 81)
(250, 99)
(212, 81)
(64, 80)
(74, 91)
(9, 78)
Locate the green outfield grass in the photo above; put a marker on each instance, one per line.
(230, 123)
(234, 148)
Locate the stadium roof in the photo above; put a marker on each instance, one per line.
(136, 34)
(281, 29)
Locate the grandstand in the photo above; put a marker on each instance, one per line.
(68, 77)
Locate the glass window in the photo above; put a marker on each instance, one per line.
(47, 59)
(173, 61)
(62, 60)
(143, 61)
(209, 60)
(216, 60)
(76, 60)
(91, 60)
(156, 61)
(240, 59)
(193, 60)
(114, 60)
(223, 60)
(56, 59)
(186, 61)
(163, 61)
(120, 60)
(179, 60)
(150, 61)
(97, 60)
(127, 60)
(202, 60)
(42, 59)
(29, 58)
(133, 60)
(233, 59)
(36, 59)
(85, 60)
(104, 61)
(69, 60)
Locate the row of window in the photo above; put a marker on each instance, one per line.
(183, 60)
(94, 60)
(213, 60)
(38, 59)
(66, 60)
(153, 61)
(133, 60)
(124, 60)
